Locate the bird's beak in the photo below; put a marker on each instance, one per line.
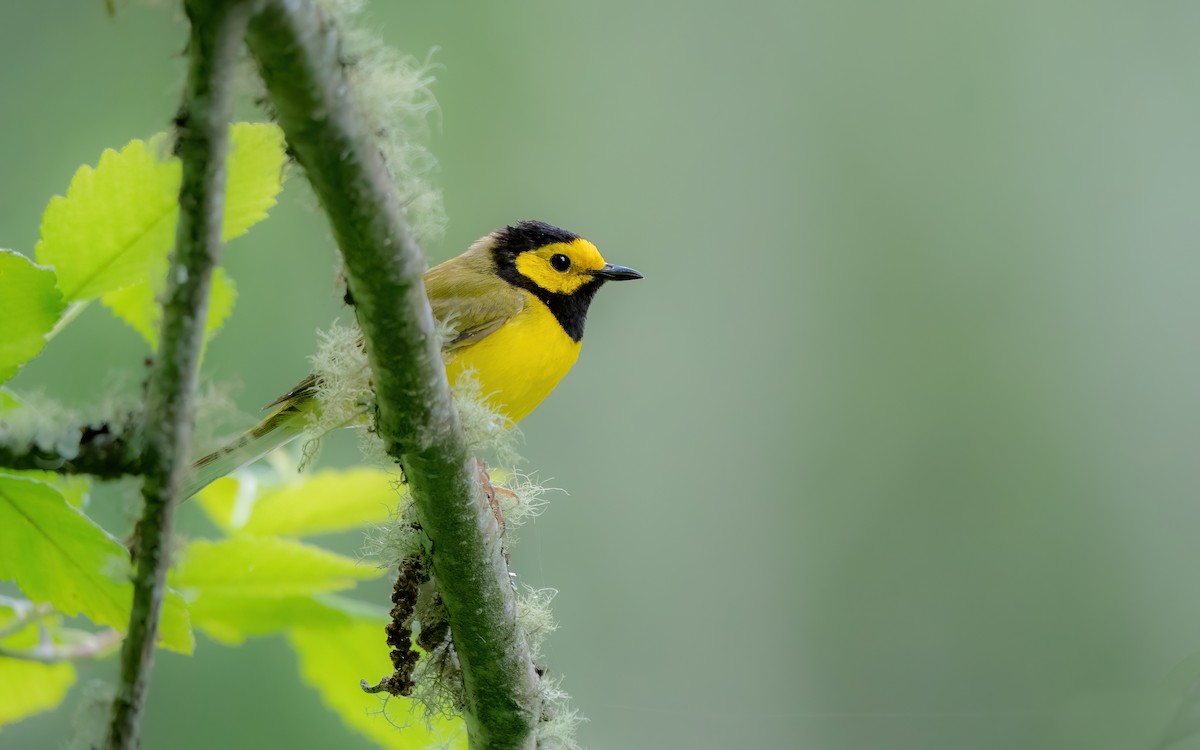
(616, 273)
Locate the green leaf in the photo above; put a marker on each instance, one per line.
(255, 175)
(218, 500)
(116, 225)
(75, 488)
(114, 220)
(57, 554)
(221, 298)
(334, 659)
(30, 305)
(112, 234)
(253, 586)
(138, 306)
(8, 400)
(327, 501)
(27, 688)
(264, 567)
(233, 619)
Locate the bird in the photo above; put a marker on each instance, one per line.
(516, 302)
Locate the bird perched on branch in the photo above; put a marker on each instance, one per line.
(516, 301)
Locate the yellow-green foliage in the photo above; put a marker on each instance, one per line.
(333, 660)
(30, 305)
(27, 687)
(256, 582)
(56, 554)
(109, 238)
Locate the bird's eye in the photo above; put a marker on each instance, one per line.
(560, 262)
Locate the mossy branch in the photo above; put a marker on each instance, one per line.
(100, 449)
(297, 50)
(217, 31)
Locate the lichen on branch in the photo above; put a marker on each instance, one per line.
(42, 435)
(297, 48)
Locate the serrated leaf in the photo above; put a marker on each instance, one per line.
(233, 619)
(334, 659)
(116, 225)
(221, 298)
(138, 306)
(325, 502)
(30, 305)
(264, 567)
(57, 554)
(255, 175)
(75, 488)
(27, 688)
(254, 586)
(114, 220)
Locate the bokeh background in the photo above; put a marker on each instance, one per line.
(896, 445)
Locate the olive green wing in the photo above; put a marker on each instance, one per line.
(464, 292)
(473, 302)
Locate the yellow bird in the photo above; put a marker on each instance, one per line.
(516, 300)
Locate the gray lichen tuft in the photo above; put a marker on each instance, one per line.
(343, 387)
(39, 433)
(393, 94)
(560, 720)
(345, 393)
(521, 497)
(89, 721)
(488, 432)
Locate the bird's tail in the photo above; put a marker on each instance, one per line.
(283, 425)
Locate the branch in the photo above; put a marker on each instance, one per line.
(95, 449)
(297, 52)
(217, 31)
(25, 613)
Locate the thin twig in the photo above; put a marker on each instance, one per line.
(25, 613)
(218, 28)
(297, 50)
(94, 646)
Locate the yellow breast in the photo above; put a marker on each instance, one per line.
(520, 363)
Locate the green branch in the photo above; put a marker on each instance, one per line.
(297, 50)
(217, 31)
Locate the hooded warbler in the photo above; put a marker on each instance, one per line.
(516, 302)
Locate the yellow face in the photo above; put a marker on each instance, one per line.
(561, 267)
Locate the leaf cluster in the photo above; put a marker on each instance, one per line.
(108, 239)
(260, 573)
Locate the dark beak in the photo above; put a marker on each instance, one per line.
(616, 273)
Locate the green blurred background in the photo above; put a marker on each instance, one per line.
(895, 446)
